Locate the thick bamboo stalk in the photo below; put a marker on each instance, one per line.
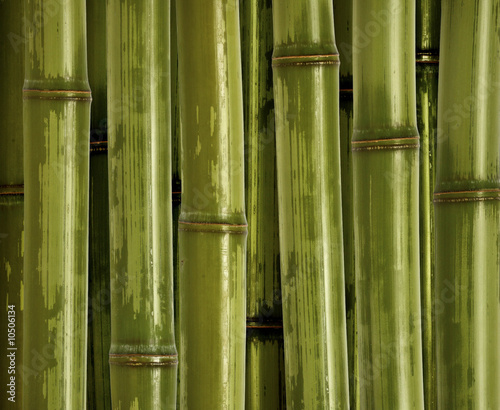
(467, 207)
(11, 204)
(428, 24)
(143, 357)
(265, 387)
(306, 91)
(343, 32)
(56, 170)
(99, 330)
(385, 146)
(212, 224)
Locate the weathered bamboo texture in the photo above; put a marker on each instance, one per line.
(427, 40)
(342, 11)
(99, 327)
(467, 207)
(265, 382)
(176, 172)
(385, 146)
(212, 224)
(56, 169)
(11, 203)
(306, 92)
(143, 357)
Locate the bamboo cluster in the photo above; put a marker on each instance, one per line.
(337, 243)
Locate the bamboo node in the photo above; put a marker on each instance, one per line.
(208, 227)
(138, 359)
(386, 144)
(62, 95)
(306, 60)
(480, 195)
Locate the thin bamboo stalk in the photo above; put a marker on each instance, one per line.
(212, 224)
(428, 24)
(343, 33)
(143, 357)
(265, 387)
(11, 204)
(306, 91)
(56, 169)
(176, 171)
(386, 196)
(467, 207)
(99, 330)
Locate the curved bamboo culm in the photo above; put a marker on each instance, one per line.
(56, 169)
(99, 327)
(212, 224)
(385, 147)
(467, 207)
(176, 171)
(342, 11)
(306, 92)
(265, 384)
(11, 203)
(143, 357)
(427, 39)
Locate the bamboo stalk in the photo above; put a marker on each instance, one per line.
(56, 169)
(467, 207)
(306, 89)
(386, 195)
(265, 387)
(343, 32)
(176, 171)
(143, 357)
(99, 330)
(11, 204)
(212, 224)
(428, 24)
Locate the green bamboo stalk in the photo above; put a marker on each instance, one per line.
(56, 169)
(176, 171)
(386, 196)
(143, 357)
(343, 32)
(467, 207)
(427, 47)
(11, 203)
(212, 224)
(99, 330)
(265, 387)
(306, 92)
